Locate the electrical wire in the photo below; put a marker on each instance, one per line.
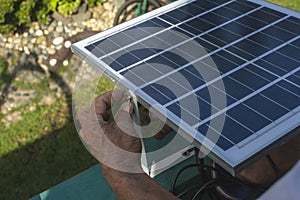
(211, 184)
(185, 168)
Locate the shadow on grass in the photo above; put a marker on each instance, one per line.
(48, 161)
(55, 157)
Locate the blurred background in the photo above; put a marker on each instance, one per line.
(39, 145)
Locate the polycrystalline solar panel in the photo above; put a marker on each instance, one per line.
(255, 49)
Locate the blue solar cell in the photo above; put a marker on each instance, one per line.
(145, 72)
(292, 52)
(283, 97)
(133, 78)
(139, 32)
(191, 9)
(266, 15)
(175, 109)
(267, 108)
(95, 50)
(234, 131)
(121, 39)
(192, 80)
(294, 79)
(226, 61)
(296, 43)
(291, 25)
(253, 49)
(156, 94)
(153, 23)
(217, 93)
(265, 40)
(248, 117)
(297, 73)
(235, 89)
(274, 12)
(176, 87)
(241, 6)
(142, 52)
(122, 59)
(251, 22)
(227, 12)
(197, 26)
(214, 18)
(218, 2)
(209, 47)
(238, 29)
(249, 4)
(260, 72)
(221, 37)
(113, 63)
(197, 106)
(159, 23)
(185, 116)
(290, 87)
(241, 53)
(163, 61)
(172, 37)
(281, 61)
(206, 4)
(271, 67)
(278, 33)
(175, 16)
(175, 58)
(215, 137)
(250, 79)
(155, 42)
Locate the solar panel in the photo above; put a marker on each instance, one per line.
(225, 72)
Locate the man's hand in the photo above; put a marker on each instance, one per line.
(115, 144)
(117, 147)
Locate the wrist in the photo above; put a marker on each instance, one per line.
(112, 173)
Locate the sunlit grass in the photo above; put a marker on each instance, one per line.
(292, 4)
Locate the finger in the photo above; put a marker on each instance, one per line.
(102, 103)
(163, 132)
(123, 119)
(83, 117)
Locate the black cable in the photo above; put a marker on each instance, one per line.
(273, 165)
(226, 181)
(187, 191)
(185, 168)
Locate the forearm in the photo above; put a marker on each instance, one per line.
(135, 186)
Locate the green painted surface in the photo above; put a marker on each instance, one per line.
(90, 184)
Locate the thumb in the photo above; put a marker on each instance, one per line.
(123, 119)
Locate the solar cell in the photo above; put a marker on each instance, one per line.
(190, 55)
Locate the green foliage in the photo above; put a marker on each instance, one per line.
(17, 14)
(7, 6)
(66, 7)
(93, 3)
(24, 13)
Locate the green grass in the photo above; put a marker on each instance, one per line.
(4, 76)
(292, 4)
(43, 149)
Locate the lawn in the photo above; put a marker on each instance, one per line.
(43, 148)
